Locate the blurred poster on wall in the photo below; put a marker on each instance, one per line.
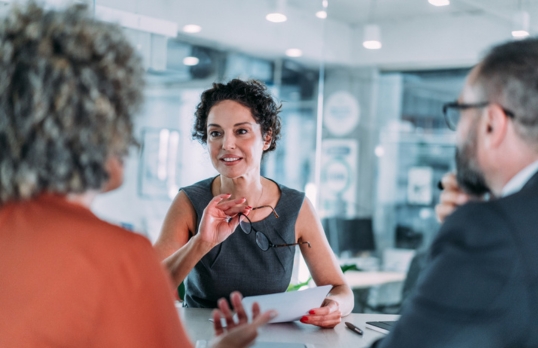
(419, 185)
(339, 177)
(342, 113)
(158, 172)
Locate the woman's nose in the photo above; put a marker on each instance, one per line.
(228, 142)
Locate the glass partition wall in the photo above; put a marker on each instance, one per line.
(361, 84)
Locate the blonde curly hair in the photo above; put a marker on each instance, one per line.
(69, 87)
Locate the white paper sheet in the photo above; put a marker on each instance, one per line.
(289, 305)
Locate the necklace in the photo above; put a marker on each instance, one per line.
(259, 198)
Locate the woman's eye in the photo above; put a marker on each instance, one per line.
(242, 131)
(214, 134)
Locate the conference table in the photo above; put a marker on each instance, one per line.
(199, 328)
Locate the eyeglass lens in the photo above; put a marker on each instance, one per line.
(262, 240)
(452, 117)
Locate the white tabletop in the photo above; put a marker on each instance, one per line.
(198, 326)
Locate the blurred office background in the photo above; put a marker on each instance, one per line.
(362, 83)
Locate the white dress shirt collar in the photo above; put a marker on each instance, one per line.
(520, 179)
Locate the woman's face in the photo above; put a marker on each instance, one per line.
(234, 139)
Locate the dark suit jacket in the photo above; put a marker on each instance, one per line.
(480, 287)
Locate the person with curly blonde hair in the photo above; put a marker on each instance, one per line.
(69, 89)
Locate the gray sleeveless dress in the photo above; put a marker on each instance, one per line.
(238, 263)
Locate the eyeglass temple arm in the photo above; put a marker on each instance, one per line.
(267, 206)
(286, 245)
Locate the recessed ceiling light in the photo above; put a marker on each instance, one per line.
(192, 28)
(439, 2)
(191, 61)
(321, 14)
(294, 52)
(520, 34)
(372, 45)
(276, 17)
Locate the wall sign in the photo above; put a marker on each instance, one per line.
(342, 113)
(339, 177)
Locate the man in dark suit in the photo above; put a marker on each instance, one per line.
(480, 288)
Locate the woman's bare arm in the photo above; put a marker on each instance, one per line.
(324, 268)
(180, 246)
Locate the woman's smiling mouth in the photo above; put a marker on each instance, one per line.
(229, 160)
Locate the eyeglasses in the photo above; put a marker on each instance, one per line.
(261, 239)
(452, 112)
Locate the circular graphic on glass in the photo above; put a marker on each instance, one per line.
(342, 113)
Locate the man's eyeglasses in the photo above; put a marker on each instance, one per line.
(452, 112)
(261, 239)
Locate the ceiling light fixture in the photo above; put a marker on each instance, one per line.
(192, 28)
(278, 16)
(294, 52)
(372, 37)
(372, 32)
(439, 2)
(521, 25)
(322, 14)
(191, 61)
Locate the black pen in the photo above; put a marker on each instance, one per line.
(353, 327)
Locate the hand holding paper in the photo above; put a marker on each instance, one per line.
(327, 316)
(289, 305)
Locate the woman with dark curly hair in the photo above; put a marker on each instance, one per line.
(69, 87)
(239, 123)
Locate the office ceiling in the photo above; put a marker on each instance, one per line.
(415, 34)
(357, 12)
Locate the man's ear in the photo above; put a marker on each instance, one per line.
(267, 139)
(495, 126)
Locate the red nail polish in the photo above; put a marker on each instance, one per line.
(312, 311)
(304, 319)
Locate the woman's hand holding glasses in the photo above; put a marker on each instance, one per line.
(221, 218)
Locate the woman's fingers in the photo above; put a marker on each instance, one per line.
(217, 324)
(327, 321)
(255, 310)
(227, 204)
(226, 313)
(264, 318)
(327, 316)
(238, 307)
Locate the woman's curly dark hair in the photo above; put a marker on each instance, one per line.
(252, 94)
(69, 87)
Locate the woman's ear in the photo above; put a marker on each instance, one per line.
(267, 139)
(114, 168)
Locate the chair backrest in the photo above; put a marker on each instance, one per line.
(415, 268)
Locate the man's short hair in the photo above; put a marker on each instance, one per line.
(508, 75)
(69, 86)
